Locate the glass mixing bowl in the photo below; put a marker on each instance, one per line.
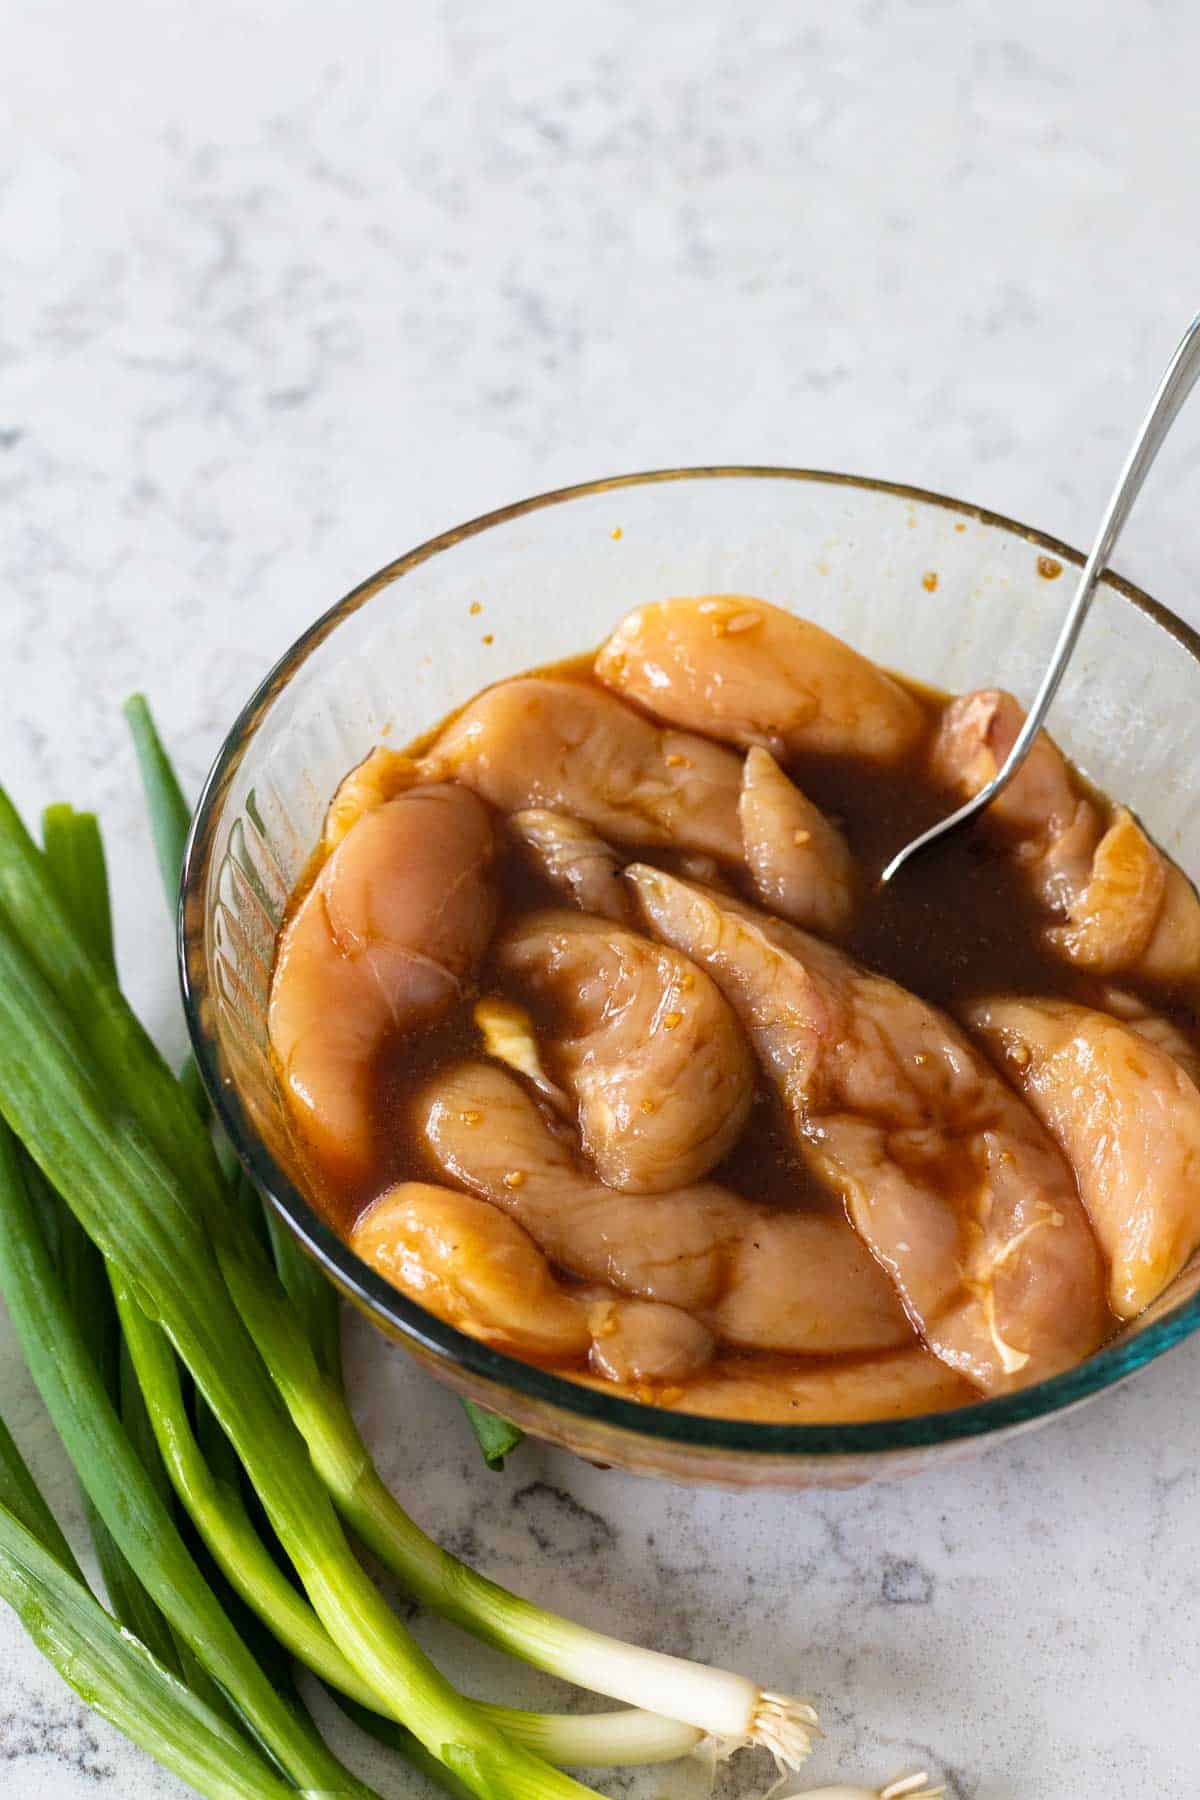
(941, 590)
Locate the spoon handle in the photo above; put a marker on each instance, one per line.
(1174, 388)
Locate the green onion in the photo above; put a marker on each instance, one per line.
(497, 1437)
(117, 1675)
(122, 1493)
(86, 1297)
(136, 1421)
(76, 855)
(170, 814)
(102, 1154)
(75, 860)
(311, 1293)
(21, 1496)
(219, 1514)
(140, 1087)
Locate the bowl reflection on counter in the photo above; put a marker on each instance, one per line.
(940, 590)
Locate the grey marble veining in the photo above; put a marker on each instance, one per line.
(283, 290)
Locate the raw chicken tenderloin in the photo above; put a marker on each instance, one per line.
(947, 1176)
(1052, 830)
(1126, 1115)
(1136, 913)
(378, 778)
(1132, 1010)
(900, 1385)
(1125, 907)
(740, 669)
(484, 1132)
(799, 862)
(641, 1341)
(474, 1267)
(652, 1054)
(382, 944)
(581, 866)
(566, 747)
(757, 1280)
(471, 1265)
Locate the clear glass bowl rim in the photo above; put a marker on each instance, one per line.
(400, 1316)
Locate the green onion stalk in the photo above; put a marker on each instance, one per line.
(104, 1663)
(115, 1673)
(153, 1555)
(88, 1306)
(21, 1496)
(74, 854)
(75, 859)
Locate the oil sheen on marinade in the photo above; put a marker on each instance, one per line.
(961, 925)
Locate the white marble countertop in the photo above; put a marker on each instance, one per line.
(284, 292)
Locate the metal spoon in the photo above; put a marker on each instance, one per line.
(1173, 390)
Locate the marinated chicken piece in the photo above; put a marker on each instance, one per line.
(640, 1341)
(560, 746)
(1134, 1012)
(574, 860)
(800, 864)
(1127, 1118)
(949, 1179)
(484, 1132)
(690, 867)
(900, 1385)
(381, 776)
(471, 1265)
(468, 1263)
(1052, 829)
(693, 1249)
(381, 945)
(739, 669)
(804, 1283)
(1135, 913)
(658, 1066)
(1126, 908)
